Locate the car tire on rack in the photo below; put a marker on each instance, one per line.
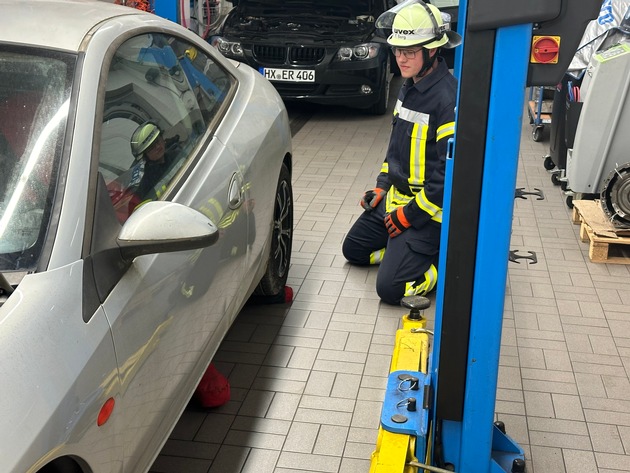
(275, 277)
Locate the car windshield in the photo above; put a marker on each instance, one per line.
(35, 90)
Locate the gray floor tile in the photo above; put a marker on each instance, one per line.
(167, 464)
(579, 461)
(283, 406)
(605, 438)
(261, 461)
(309, 462)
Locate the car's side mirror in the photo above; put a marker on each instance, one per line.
(154, 227)
(162, 227)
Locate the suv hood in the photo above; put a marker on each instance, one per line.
(319, 19)
(347, 3)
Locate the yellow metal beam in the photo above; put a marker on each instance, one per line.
(411, 353)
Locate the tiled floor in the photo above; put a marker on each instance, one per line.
(308, 378)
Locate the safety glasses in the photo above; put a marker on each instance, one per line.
(408, 53)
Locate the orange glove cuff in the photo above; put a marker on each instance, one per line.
(402, 218)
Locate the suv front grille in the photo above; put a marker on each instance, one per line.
(298, 55)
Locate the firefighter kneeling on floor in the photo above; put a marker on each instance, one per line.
(400, 227)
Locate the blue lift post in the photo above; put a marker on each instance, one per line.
(494, 66)
(467, 434)
(167, 9)
(498, 59)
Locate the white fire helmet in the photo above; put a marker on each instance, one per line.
(422, 24)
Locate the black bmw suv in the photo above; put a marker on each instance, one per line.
(321, 51)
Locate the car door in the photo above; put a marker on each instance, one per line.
(168, 312)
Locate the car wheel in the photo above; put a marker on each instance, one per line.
(275, 277)
(380, 107)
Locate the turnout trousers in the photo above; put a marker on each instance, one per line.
(408, 262)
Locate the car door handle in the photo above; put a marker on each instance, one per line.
(235, 192)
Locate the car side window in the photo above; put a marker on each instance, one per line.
(160, 98)
(209, 82)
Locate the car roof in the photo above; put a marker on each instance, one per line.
(57, 24)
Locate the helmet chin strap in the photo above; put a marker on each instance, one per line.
(427, 63)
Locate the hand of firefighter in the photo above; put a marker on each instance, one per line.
(371, 198)
(396, 222)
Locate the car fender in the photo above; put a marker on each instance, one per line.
(57, 373)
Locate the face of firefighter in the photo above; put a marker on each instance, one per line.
(155, 152)
(410, 61)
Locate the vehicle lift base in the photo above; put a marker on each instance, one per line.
(405, 433)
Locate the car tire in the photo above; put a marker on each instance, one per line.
(380, 107)
(275, 277)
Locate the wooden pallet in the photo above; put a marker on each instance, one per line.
(607, 244)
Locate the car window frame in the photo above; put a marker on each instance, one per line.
(195, 154)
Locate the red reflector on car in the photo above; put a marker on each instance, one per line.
(106, 411)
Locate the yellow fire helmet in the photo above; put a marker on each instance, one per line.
(143, 137)
(415, 23)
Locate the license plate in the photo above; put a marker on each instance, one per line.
(288, 75)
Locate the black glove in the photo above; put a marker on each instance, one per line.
(371, 198)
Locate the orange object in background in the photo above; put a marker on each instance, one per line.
(144, 5)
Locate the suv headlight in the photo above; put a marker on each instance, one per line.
(227, 48)
(360, 52)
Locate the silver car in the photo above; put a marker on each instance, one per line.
(120, 273)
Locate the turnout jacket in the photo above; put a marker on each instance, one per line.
(414, 166)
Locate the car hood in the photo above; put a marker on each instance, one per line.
(349, 3)
(317, 19)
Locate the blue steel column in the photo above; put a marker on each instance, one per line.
(478, 205)
(495, 223)
(469, 444)
(167, 9)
